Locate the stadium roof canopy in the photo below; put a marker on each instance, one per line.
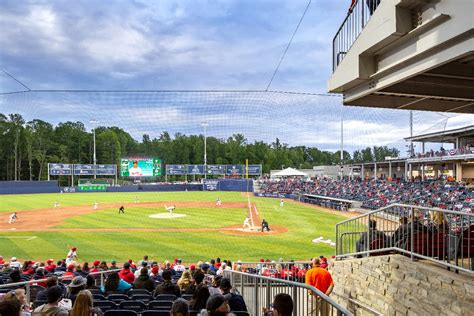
(290, 172)
(444, 136)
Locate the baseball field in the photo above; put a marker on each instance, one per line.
(196, 230)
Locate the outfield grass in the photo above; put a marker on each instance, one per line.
(304, 224)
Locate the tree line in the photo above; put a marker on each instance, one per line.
(27, 146)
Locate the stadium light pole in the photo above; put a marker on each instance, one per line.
(205, 125)
(94, 122)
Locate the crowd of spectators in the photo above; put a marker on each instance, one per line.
(378, 193)
(202, 286)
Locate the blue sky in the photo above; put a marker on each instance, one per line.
(190, 45)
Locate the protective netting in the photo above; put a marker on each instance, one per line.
(295, 119)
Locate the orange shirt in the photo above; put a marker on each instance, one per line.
(319, 278)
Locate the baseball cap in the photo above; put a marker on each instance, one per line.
(214, 302)
(77, 282)
(70, 267)
(96, 263)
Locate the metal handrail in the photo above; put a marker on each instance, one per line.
(258, 291)
(28, 283)
(351, 27)
(446, 240)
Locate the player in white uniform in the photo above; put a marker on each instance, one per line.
(218, 202)
(170, 209)
(96, 205)
(71, 256)
(247, 223)
(13, 218)
(56, 204)
(136, 199)
(282, 202)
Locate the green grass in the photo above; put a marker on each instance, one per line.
(304, 223)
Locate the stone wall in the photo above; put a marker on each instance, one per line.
(395, 285)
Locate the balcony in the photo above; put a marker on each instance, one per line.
(406, 54)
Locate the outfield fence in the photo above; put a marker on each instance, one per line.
(258, 292)
(32, 288)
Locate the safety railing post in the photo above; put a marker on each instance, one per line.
(28, 293)
(256, 300)
(412, 228)
(295, 299)
(268, 294)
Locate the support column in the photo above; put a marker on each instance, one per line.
(362, 171)
(422, 172)
(410, 172)
(375, 170)
(458, 171)
(390, 170)
(406, 171)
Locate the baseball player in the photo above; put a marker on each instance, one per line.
(282, 202)
(13, 218)
(56, 204)
(71, 256)
(96, 205)
(218, 202)
(247, 223)
(122, 210)
(136, 199)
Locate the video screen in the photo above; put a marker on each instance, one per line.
(140, 167)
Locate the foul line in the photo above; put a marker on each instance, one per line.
(19, 237)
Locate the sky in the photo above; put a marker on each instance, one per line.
(191, 45)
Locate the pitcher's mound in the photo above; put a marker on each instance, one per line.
(167, 215)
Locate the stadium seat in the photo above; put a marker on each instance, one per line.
(142, 297)
(120, 312)
(137, 306)
(165, 297)
(240, 313)
(99, 297)
(95, 291)
(160, 305)
(138, 291)
(117, 297)
(155, 312)
(187, 297)
(105, 305)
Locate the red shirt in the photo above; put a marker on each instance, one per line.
(50, 267)
(319, 278)
(127, 276)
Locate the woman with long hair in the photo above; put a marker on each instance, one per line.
(186, 283)
(113, 284)
(83, 306)
(200, 297)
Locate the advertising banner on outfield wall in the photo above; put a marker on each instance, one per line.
(255, 170)
(215, 169)
(175, 170)
(86, 170)
(196, 169)
(60, 169)
(106, 170)
(234, 170)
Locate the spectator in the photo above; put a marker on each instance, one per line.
(50, 282)
(216, 305)
(52, 308)
(125, 274)
(236, 302)
(178, 267)
(282, 305)
(186, 283)
(95, 266)
(144, 281)
(321, 279)
(90, 283)
(20, 296)
(363, 243)
(200, 297)
(15, 276)
(10, 308)
(402, 233)
(198, 277)
(167, 287)
(50, 266)
(69, 275)
(39, 275)
(139, 271)
(14, 263)
(103, 266)
(113, 265)
(180, 307)
(216, 283)
(114, 284)
(155, 274)
(85, 269)
(83, 306)
(77, 284)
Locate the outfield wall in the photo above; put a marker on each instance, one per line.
(25, 187)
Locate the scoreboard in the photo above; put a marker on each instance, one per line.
(140, 167)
